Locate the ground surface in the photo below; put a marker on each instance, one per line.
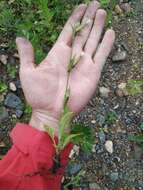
(113, 115)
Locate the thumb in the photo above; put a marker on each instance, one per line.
(26, 52)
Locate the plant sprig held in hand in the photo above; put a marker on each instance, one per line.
(65, 123)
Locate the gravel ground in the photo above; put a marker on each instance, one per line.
(115, 163)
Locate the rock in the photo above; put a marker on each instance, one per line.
(122, 85)
(114, 176)
(74, 168)
(74, 151)
(94, 148)
(119, 92)
(3, 59)
(84, 186)
(93, 121)
(1, 97)
(126, 7)
(13, 101)
(12, 86)
(109, 146)
(102, 136)
(120, 55)
(104, 92)
(122, 90)
(18, 84)
(19, 113)
(3, 114)
(16, 55)
(118, 10)
(94, 186)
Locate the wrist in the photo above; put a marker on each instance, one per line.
(41, 118)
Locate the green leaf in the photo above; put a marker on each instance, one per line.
(65, 122)
(3, 87)
(135, 87)
(50, 131)
(69, 139)
(137, 139)
(86, 138)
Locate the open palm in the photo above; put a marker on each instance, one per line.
(44, 85)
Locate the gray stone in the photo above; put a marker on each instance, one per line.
(3, 114)
(74, 168)
(3, 59)
(18, 84)
(109, 146)
(84, 186)
(120, 55)
(94, 186)
(102, 136)
(13, 101)
(126, 7)
(19, 113)
(12, 86)
(104, 92)
(114, 176)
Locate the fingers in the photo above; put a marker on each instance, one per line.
(96, 32)
(26, 52)
(104, 49)
(87, 22)
(67, 33)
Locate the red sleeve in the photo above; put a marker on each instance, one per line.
(27, 164)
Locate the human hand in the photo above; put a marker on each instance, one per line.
(44, 85)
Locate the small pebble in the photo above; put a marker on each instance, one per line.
(109, 146)
(104, 92)
(3, 114)
(93, 121)
(122, 90)
(118, 10)
(18, 113)
(1, 97)
(12, 86)
(74, 168)
(13, 101)
(120, 55)
(16, 55)
(126, 7)
(122, 85)
(94, 186)
(114, 176)
(94, 148)
(3, 59)
(102, 136)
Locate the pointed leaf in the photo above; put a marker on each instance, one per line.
(68, 139)
(138, 139)
(65, 123)
(50, 131)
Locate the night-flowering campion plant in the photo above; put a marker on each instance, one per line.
(79, 134)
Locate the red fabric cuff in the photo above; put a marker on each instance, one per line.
(39, 145)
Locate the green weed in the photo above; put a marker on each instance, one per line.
(3, 88)
(11, 70)
(138, 138)
(135, 87)
(74, 180)
(109, 6)
(111, 118)
(28, 109)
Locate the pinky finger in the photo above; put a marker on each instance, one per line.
(104, 49)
